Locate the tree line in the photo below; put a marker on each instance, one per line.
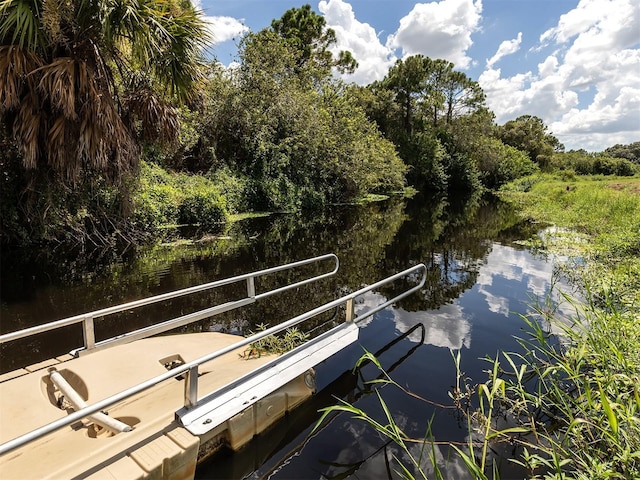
(114, 123)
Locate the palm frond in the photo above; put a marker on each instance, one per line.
(69, 74)
(19, 24)
(58, 85)
(27, 129)
(16, 63)
(158, 119)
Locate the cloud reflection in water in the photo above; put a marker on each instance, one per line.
(510, 280)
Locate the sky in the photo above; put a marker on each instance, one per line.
(573, 63)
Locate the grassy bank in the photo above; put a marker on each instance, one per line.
(597, 222)
(586, 408)
(567, 409)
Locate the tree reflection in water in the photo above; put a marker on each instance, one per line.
(471, 285)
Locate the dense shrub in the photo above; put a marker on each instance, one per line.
(237, 189)
(204, 206)
(169, 199)
(614, 166)
(426, 158)
(156, 205)
(277, 194)
(311, 199)
(12, 225)
(500, 163)
(584, 163)
(463, 174)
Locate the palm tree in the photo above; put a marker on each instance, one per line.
(82, 82)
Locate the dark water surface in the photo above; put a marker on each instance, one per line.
(478, 282)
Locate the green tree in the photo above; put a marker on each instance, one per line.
(408, 80)
(291, 143)
(82, 82)
(431, 90)
(380, 106)
(462, 95)
(529, 134)
(307, 32)
(433, 103)
(631, 152)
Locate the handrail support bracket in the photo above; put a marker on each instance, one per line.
(251, 287)
(350, 313)
(191, 387)
(88, 332)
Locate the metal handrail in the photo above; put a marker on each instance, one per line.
(191, 368)
(87, 319)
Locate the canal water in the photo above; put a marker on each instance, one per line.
(480, 279)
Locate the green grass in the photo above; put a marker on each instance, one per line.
(591, 387)
(591, 205)
(599, 222)
(236, 217)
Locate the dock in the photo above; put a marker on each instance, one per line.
(151, 405)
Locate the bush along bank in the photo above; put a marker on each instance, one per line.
(164, 199)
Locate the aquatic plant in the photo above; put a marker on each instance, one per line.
(275, 344)
(568, 404)
(566, 409)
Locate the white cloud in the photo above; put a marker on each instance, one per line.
(596, 58)
(506, 48)
(548, 67)
(225, 28)
(606, 18)
(603, 122)
(505, 94)
(374, 59)
(439, 30)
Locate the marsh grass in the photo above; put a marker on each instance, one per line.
(582, 405)
(600, 220)
(569, 409)
(569, 401)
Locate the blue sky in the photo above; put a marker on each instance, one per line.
(573, 63)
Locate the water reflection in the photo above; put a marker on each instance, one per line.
(529, 277)
(477, 284)
(363, 458)
(444, 327)
(372, 242)
(509, 277)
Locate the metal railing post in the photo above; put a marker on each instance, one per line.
(191, 387)
(251, 287)
(88, 333)
(350, 313)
